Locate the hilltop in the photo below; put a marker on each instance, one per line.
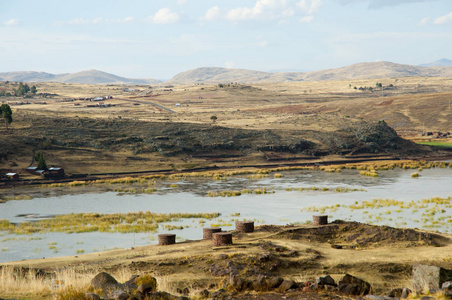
(209, 75)
(85, 77)
(381, 69)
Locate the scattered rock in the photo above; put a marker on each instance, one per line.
(325, 280)
(405, 293)
(259, 283)
(395, 293)
(160, 296)
(273, 282)
(430, 277)
(119, 295)
(373, 297)
(131, 283)
(145, 289)
(286, 285)
(447, 286)
(353, 286)
(331, 288)
(204, 294)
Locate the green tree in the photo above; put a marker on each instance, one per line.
(213, 118)
(379, 85)
(42, 164)
(22, 90)
(33, 89)
(7, 114)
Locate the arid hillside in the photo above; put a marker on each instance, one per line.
(196, 126)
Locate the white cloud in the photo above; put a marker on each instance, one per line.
(12, 22)
(424, 21)
(307, 19)
(382, 3)
(164, 16)
(181, 2)
(212, 14)
(310, 6)
(261, 9)
(447, 19)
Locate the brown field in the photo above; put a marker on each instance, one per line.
(414, 105)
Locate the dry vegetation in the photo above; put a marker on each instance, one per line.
(256, 124)
(300, 253)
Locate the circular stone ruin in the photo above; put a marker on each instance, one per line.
(222, 239)
(244, 226)
(209, 231)
(167, 239)
(320, 220)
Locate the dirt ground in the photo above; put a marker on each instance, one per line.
(380, 255)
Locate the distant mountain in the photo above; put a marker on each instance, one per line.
(443, 62)
(289, 70)
(223, 75)
(381, 69)
(85, 77)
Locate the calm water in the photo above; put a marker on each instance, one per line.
(282, 207)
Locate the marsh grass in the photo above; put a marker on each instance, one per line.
(92, 222)
(228, 193)
(326, 189)
(432, 211)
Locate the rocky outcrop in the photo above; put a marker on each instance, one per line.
(112, 289)
(351, 285)
(427, 277)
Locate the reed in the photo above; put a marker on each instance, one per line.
(93, 222)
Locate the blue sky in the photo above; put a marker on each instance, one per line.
(160, 38)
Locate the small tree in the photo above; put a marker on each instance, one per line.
(42, 164)
(213, 118)
(7, 114)
(379, 85)
(33, 89)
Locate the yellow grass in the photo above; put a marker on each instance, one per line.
(25, 284)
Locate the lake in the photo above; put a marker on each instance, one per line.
(286, 204)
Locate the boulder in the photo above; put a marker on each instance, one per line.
(325, 280)
(119, 295)
(131, 283)
(236, 283)
(353, 286)
(259, 283)
(273, 282)
(286, 285)
(102, 279)
(429, 277)
(145, 289)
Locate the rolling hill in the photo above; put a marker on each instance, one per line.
(382, 69)
(443, 62)
(357, 71)
(85, 77)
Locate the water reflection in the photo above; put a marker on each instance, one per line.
(281, 207)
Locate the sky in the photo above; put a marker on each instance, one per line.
(160, 38)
